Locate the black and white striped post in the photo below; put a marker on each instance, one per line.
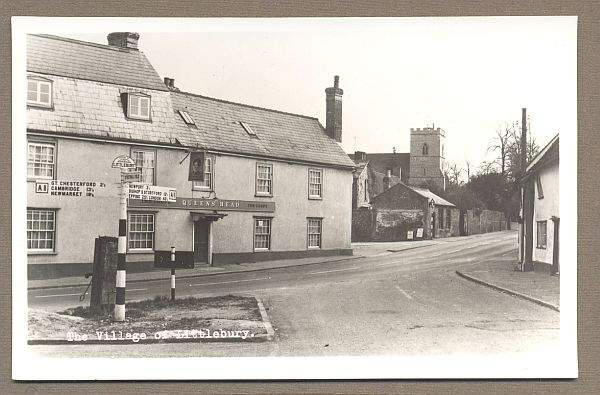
(119, 313)
(172, 273)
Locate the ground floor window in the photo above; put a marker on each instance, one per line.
(541, 234)
(448, 217)
(262, 233)
(41, 230)
(314, 232)
(440, 218)
(141, 231)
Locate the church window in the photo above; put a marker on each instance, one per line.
(425, 149)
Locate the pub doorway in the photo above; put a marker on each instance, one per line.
(201, 241)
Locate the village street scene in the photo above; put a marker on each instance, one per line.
(165, 223)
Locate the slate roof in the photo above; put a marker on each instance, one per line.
(548, 154)
(88, 80)
(278, 134)
(438, 201)
(381, 162)
(66, 57)
(376, 184)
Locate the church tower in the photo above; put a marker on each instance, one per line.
(427, 161)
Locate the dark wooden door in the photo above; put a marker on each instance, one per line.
(201, 241)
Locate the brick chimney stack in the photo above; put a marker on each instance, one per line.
(124, 40)
(333, 110)
(387, 180)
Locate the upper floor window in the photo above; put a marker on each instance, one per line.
(207, 184)
(145, 163)
(39, 92)
(138, 106)
(540, 190)
(41, 160)
(187, 118)
(315, 183)
(264, 179)
(248, 129)
(425, 149)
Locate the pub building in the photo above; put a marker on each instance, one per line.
(231, 182)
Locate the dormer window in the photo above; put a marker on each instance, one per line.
(187, 118)
(39, 92)
(138, 106)
(248, 129)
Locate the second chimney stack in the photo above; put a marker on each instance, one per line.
(333, 110)
(124, 40)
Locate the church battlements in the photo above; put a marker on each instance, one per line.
(428, 130)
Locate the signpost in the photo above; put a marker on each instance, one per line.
(130, 188)
(130, 176)
(125, 163)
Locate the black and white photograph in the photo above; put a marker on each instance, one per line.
(294, 198)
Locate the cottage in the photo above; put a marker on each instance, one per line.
(539, 237)
(273, 184)
(404, 212)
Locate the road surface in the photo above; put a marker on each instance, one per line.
(404, 303)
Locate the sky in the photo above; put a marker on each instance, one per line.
(468, 76)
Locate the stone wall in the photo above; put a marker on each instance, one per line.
(484, 221)
(379, 224)
(362, 224)
(393, 225)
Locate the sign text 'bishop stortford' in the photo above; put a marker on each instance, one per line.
(152, 193)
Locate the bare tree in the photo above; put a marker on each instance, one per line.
(500, 144)
(468, 169)
(454, 173)
(486, 167)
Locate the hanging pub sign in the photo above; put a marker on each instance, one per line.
(196, 172)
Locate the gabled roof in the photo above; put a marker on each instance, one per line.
(548, 154)
(423, 192)
(381, 162)
(277, 134)
(438, 201)
(66, 57)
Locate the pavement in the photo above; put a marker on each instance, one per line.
(361, 250)
(202, 270)
(537, 286)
